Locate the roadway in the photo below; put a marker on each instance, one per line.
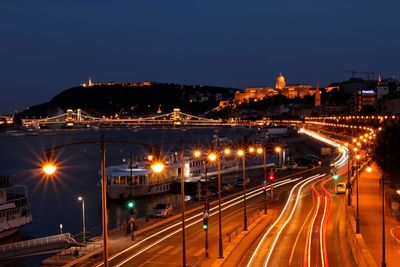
(310, 230)
(164, 246)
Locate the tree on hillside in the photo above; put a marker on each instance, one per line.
(386, 152)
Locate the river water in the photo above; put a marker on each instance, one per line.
(54, 201)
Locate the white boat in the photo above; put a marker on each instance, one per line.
(135, 178)
(14, 207)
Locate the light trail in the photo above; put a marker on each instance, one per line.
(226, 205)
(309, 243)
(276, 221)
(289, 219)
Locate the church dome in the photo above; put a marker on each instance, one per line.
(280, 82)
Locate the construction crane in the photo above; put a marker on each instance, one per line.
(354, 72)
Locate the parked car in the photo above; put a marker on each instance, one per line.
(291, 165)
(162, 210)
(341, 188)
(239, 181)
(226, 188)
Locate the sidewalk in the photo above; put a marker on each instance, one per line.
(370, 208)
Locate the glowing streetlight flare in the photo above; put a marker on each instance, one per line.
(240, 152)
(157, 167)
(212, 156)
(368, 169)
(80, 198)
(150, 157)
(251, 149)
(354, 140)
(278, 149)
(49, 169)
(260, 150)
(358, 157)
(197, 153)
(227, 151)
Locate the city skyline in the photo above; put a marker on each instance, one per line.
(54, 46)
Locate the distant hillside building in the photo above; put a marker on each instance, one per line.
(363, 98)
(297, 90)
(389, 86)
(254, 93)
(280, 82)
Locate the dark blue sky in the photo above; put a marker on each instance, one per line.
(48, 46)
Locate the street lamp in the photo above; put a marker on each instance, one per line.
(49, 169)
(278, 150)
(157, 167)
(358, 212)
(348, 175)
(241, 154)
(197, 154)
(83, 220)
(262, 151)
(212, 157)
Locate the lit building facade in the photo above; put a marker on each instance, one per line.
(363, 98)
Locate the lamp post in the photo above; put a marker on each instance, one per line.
(183, 206)
(197, 154)
(358, 212)
(213, 157)
(81, 199)
(241, 154)
(348, 175)
(260, 151)
(279, 150)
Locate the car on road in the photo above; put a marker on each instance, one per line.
(291, 166)
(162, 210)
(341, 188)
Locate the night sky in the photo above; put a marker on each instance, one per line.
(48, 46)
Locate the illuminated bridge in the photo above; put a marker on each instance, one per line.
(79, 117)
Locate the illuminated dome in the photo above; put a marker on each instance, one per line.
(280, 82)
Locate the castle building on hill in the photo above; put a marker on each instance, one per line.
(259, 93)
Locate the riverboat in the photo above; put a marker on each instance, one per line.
(14, 207)
(135, 177)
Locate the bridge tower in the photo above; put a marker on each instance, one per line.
(79, 115)
(176, 116)
(69, 119)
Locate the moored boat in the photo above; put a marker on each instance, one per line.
(14, 207)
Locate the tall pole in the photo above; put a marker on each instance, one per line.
(383, 224)
(244, 194)
(265, 182)
(221, 253)
(183, 206)
(358, 215)
(348, 180)
(83, 222)
(104, 199)
(206, 207)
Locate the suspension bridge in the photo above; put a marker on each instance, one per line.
(79, 118)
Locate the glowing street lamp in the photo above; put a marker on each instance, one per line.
(157, 167)
(81, 199)
(251, 149)
(227, 151)
(49, 168)
(150, 157)
(214, 157)
(241, 154)
(197, 153)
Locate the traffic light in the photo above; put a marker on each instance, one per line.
(335, 176)
(271, 177)
(131, 204)
(205, 223)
